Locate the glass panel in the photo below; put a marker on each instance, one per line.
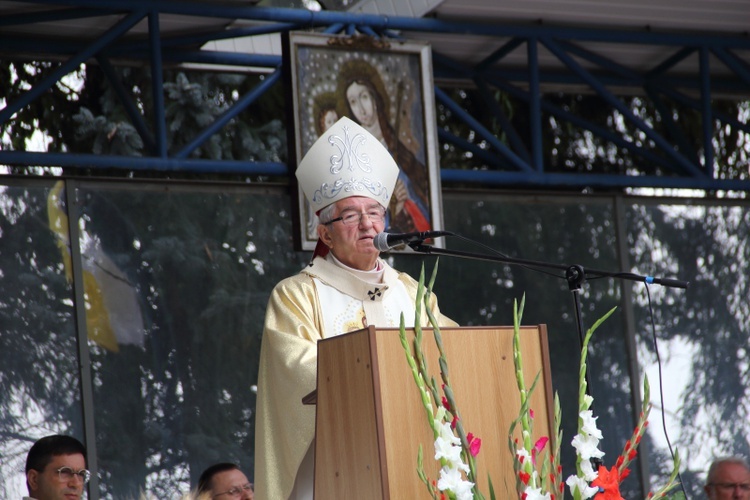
(184, 276)
(39, 378)
(177, 278)
(702, 332)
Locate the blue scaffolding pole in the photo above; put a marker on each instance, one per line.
(517, 159)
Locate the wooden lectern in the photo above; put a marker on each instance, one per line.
(370, 420)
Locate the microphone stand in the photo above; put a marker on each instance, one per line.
(575, 275)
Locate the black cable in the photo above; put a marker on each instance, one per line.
(661, 388)
(505, 256)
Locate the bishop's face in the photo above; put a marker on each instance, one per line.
(351, 239)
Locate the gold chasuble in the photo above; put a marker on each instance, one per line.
(323, 300)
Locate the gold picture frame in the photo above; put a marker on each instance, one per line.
(325, 74)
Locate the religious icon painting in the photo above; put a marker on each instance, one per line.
(386, 87)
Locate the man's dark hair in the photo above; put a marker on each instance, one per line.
(204, 483)
(44, 449)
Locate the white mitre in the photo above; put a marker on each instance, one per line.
(346, 161)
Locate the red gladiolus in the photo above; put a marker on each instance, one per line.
(446, 403)
(524, 477)
(609, 482)
(454, 421)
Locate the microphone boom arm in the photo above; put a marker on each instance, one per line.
(575, 274)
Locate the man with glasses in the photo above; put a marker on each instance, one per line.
(225, 481)
(56, 469)
(728, 478)
(348, 177)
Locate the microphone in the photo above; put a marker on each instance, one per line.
(385, 241)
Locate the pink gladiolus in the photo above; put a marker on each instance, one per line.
(538, 446)
(474, 444)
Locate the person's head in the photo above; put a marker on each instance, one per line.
(225, 481)
(363, 94)
(324, 111)
(328, 118)
(362, 103)
(348, 227)
(728, 478)
(348, 178)
(56, 468)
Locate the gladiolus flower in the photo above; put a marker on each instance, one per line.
(474, 444)
(589, 424)
(589, 474)
(580, 484)
(451, 480)
(535, 494)
(538, 446)
(446, 404)
(609, 482)
(587, 446)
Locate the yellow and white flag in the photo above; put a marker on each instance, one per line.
(113, 314)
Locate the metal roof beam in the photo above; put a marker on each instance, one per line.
(311, 19)
(523, 156)
(116, 31)
(125, 98)
(558, 112)
(578, 180)
(232, 112)
(144, 163)
(514, 160)
(51, 15)
(623, 108)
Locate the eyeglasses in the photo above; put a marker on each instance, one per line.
(352, 218)
(744, 487)
(66, 474)
(236, 491)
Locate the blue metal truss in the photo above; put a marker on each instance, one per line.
(514, 161)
